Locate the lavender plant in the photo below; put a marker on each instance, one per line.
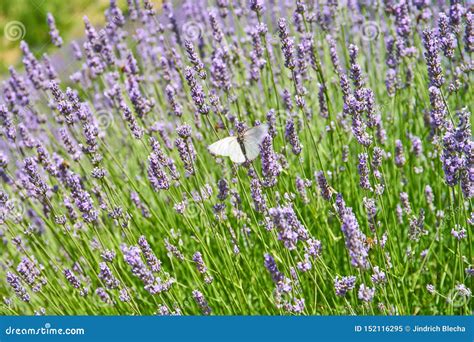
(360, 201)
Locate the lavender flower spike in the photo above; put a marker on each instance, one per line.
(344, 285)
(53, 31)
(365, 293)
(430, 41)
(355, 239)
(201, 302)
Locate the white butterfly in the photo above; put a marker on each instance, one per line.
(240, 149)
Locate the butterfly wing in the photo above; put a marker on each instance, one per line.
(235, 152)
(252, 140)
(228, 147)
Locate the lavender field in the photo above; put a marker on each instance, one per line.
(355, 199)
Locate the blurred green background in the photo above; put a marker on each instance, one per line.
(32, 15)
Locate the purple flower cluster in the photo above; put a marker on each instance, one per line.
(201, 302)
(100, 150)
(355, 239)
(53, 31)
(290, 230)
(344, 285)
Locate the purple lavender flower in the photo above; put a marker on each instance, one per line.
(371, 210)
(304, 265)
(257, 196)
(438, 108)
(323, 107)
(399, 155)
(103, 295)
(402, 19)
(152, 261)
(200, 265)
(29, 272)
(365, 293)
(405, 202)
(459, 233)
(76, 49)
(195, 60)
(430, 41)
(173, 250)
(469, 32)
(124, 296)
(18, 86)
(456, 12)
(287, 44)
(295, 306)
(107, 277)
(171, 96)
(53, 31)
(186, 149)
(272, 268)
(36, 181)
(290, 229)
(333, 54)
(344, 285)
(132, 257)
(313, 248)
(292, 136)
(323, 185)
(220, 74)
(287, 100)
(378, 277)
(447, 39)
(216, 28)
(463, 291)
(301, 185)
(271, 168)
(14, 281)
(271, 120)
(32, 67)
(156, 174)
(457, 154)
(356, 71)
(138, 203)
(257, 6)
(363, 169)
(108, 255)
(75, 282)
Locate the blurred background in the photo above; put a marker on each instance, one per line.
(26, 20)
